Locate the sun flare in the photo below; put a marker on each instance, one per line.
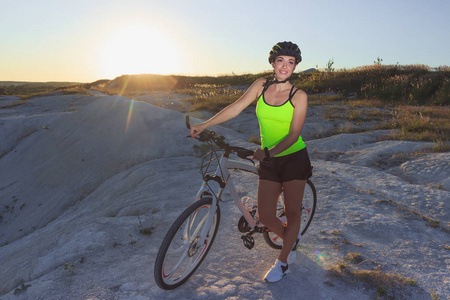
(139, 49)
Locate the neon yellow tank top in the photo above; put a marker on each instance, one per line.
(274, 124)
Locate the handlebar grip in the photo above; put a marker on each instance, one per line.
(188, 125)
(266, 151)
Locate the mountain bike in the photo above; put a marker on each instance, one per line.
(191, 236)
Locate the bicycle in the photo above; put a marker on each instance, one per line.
(191, 236)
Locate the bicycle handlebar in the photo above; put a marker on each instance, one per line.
(219, 140)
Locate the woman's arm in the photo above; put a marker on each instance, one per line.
(300, 102)
(233, 109)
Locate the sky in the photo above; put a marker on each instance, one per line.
(88, 40)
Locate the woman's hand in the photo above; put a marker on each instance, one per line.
(197, 129)
(259, 155)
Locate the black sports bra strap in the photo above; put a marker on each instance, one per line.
(291, 94)
(266, 86)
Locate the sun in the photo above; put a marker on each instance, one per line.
(139, 49)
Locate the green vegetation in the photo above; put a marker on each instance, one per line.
(69, 267)
(434, 295)
(147, 230)
(336, 232)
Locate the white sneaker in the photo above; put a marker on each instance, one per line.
(277, 271)
(291, 257)
(297, 243)
(293, 254)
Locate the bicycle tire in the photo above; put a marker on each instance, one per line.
(308, 209)
(172, 270)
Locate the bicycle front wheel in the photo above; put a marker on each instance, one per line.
(181, 252)
(308, 208)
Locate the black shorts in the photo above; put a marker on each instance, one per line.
(286, 168)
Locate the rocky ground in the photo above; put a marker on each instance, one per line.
(81, 175)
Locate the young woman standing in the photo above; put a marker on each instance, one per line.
(281, 111)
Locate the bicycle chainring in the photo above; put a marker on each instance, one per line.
(243, 225)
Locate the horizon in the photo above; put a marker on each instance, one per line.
(212, 76)
(86, 42)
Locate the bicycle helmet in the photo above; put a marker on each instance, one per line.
(285, 48)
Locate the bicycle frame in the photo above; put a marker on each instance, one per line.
(190, 237)
(226, 164)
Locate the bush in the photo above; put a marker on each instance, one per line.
(394, 84)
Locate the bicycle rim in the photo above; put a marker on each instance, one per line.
(308, 209)
(308, 206)
(181, 252)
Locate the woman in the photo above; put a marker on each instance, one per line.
(281, 112)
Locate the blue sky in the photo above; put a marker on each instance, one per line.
(56, 40)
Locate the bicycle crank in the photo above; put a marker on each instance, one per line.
(243, 225)
(248, 240)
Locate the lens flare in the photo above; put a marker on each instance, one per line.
(130, 112)
(321, 256)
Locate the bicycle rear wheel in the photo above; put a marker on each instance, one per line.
(308, 209)
(181, 253)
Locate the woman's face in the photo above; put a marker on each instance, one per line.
(284, 66)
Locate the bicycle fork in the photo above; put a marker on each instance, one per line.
(205, 190)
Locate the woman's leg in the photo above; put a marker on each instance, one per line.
(268, 193)
(293, 196)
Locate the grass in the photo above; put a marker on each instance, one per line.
(412, 84)
(147, 230)
(434, 295)
(15, 103)
(412, 100)
(409, 123)
(26, 90)
(430, 222)
(420, 124)
(380, 283)
(212, 97)
(354, 257)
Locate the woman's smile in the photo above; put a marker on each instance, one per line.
(284, 66)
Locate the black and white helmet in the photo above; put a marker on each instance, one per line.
(285, 48)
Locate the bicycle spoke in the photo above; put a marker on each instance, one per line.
(186, 249)
(173, 250)
(199, 226)
(180, 261)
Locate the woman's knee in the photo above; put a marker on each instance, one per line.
(293, 216)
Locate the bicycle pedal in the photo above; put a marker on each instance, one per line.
(249, 241)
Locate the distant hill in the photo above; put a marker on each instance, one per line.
(411, 84)
(15, 83)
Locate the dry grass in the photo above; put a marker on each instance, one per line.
(324, 99)
(411, 123)
(413, 84)
(15, 103)
(414, 214)
(380, 284)
(420, 124)
(212, 98)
